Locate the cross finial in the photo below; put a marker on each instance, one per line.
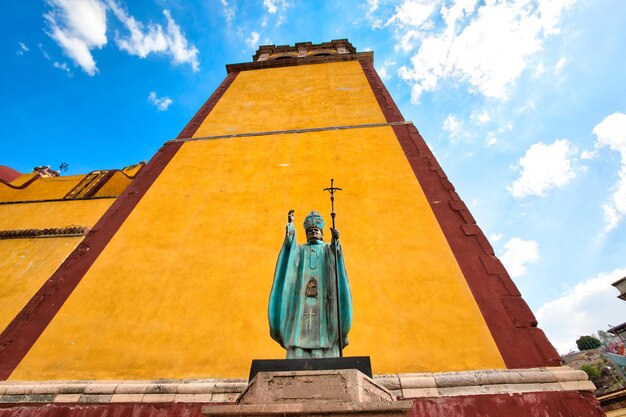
(332, 188)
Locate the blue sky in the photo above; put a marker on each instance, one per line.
(523, 103)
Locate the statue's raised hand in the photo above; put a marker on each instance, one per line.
(334, 233)
(290, 229)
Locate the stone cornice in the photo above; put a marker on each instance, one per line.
(291, 62)
(49, 232)
(418, 385)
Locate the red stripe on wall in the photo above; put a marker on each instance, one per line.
(510, 321)
(531, 404)
(387, 105)
(535, 404)
(22, 333)
(204, 111)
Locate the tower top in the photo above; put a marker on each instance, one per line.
(302, 53)
(303, 50)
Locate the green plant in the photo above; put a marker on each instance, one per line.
(588, 342)
(591, 371)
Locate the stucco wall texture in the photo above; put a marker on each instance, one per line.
(308, 96)
(49, 188)
(25, 264)
(181, 289)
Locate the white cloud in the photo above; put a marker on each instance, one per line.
(491, 139)
(143, 40)
(161, 103)
(253, 40)
(384, 75)
(43, 52)
(517, 254)
(480, 118)
(590, 306)
(229, 11)
(372, 8)
(413, 13)
(78, 26)
(457, 11)
(539, 70)
(384, 72)
(544, 167)
(270, 5)
(178, 46)
(62, 66)
(550, 12)
(274, 6)
(508, 126)
(495, 237)
(453, 126)
(407, 43)
(560, 65)
(589, 154)
(611, 133)
(23, 48)
(487, 46)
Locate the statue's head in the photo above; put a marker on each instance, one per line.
(314, 226)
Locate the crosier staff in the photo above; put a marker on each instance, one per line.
(332, 190)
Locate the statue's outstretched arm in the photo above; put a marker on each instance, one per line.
(278, 303)
(291, 230)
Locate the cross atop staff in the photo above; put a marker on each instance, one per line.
(332, 189)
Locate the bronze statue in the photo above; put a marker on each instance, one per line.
(303, 301)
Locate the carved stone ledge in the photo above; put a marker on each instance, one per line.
(49, 232)
(413, 385)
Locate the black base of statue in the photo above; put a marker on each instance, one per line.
(361, 363)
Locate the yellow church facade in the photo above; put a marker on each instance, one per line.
(169, 277)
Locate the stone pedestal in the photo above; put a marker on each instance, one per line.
(313, 393)
(360, 363)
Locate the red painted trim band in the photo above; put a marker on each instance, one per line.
(510, 321)
(20, 187)
(204, 111)
(535, 404)
(386, 103)
(22, 333)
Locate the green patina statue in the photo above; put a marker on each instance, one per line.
(303, 302)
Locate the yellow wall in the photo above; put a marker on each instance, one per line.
(182, 288)
(48, 188)
(286, 98)
(133, 170)
(22, 179)
(25, 264)
(114, 186)
(43, 215)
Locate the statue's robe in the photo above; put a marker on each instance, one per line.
(302, 306)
